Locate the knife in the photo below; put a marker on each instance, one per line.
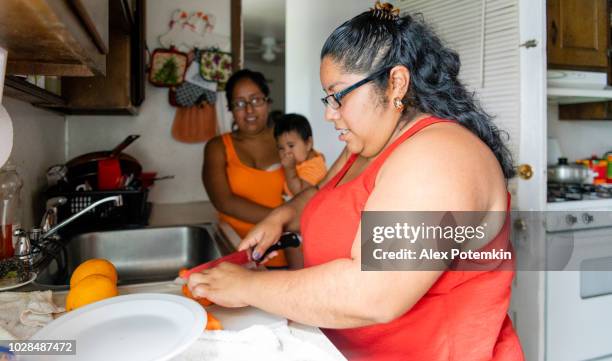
(241, 257)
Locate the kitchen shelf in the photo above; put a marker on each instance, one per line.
(19, 88)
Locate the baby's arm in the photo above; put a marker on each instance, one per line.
(294, 182)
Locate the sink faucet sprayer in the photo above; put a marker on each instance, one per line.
(118, 200)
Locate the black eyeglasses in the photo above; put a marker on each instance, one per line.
(241, 104)
(333, 100)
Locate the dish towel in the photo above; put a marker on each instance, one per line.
(265, 343)
(22, 314)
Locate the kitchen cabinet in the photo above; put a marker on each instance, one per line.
(578, 38)
(55, 37)
(578, 34)
(121, 90)
(587, 111)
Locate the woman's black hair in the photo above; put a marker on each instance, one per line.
(255, 76)
(293, 123)
(370, 42)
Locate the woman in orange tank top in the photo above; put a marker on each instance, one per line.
(416, 140)
(242, 173)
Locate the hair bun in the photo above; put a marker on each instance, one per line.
(385, 11)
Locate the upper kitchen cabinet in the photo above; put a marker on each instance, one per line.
(121, 90)
(578, 33)
(55, 37)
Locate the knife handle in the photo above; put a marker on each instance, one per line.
(286, 240)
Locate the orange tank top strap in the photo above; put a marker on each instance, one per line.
(230, 151)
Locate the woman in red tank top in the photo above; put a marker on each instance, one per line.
(416, 140)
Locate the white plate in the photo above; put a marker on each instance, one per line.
(16, 285)
(146, 326)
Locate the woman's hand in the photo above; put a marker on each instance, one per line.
(224, 284)
(263, 235)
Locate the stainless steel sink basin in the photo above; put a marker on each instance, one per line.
(140, 255)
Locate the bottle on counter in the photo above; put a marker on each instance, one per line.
(10, 207)
(609, 159)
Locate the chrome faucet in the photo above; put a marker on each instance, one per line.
(118, 202)
(44, 240)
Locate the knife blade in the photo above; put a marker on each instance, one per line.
(242, 257)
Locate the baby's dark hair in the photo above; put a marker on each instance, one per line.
(293, 123)
(381, 39)
(255, 76)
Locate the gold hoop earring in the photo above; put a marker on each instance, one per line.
(398, 104)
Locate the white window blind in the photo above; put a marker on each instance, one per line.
(489, 51)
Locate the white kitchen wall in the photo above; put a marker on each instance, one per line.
(156, 149)
(38, 142)
(275, 75)
(579, 138)
(309, 23)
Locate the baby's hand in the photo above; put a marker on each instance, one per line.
(288, 161)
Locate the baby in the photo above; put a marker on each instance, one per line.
(303, 166)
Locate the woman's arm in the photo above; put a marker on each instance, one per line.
(214, 177)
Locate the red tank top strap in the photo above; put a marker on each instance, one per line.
(372, 170)
(423, 123)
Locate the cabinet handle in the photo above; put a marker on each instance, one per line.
(554, 32)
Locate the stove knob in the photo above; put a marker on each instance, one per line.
(571, 220)
(587, 218)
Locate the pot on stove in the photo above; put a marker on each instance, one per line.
(563, 172)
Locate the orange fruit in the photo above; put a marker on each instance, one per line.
(94, 266)
(90, 289)
(213, 323)
(203, 301)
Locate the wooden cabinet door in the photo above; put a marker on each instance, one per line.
(577, 32)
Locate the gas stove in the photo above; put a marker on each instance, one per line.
(558, 192)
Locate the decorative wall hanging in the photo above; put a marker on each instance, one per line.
(193, 31)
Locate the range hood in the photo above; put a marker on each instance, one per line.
(574, 87)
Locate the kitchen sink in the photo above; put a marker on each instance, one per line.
(140, 255)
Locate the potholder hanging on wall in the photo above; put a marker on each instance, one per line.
(189, 94)
(168, 67)
(216, 65)
(194, 90)
(195, 124)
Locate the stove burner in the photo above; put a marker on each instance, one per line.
(559, 192)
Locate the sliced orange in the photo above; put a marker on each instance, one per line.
(213, 323)
(201, 300)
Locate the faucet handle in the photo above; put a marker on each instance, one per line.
(49, 219)
(56, 202)
(23, 246)
(19, 232)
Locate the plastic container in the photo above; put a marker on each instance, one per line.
(10, 208)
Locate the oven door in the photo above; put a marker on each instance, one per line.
(579, 302)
